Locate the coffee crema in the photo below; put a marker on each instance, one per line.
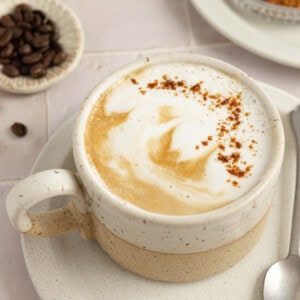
(178, 138)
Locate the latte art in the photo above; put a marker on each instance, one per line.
(178, 138)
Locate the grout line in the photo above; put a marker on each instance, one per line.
(189, 23)
(157, 50)
(8, 181)
(216, 45)
(47, 119)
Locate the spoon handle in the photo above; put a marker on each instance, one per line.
(295, 234)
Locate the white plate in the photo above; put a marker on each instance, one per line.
(68, 267)
(271, 39)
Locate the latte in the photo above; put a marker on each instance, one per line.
(178, 138)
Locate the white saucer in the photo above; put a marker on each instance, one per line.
(68, 267)
(271, 39)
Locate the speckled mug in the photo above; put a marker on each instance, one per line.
(161, 247)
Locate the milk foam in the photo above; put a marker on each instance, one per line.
(154, 144)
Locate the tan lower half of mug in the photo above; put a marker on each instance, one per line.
(176, 267)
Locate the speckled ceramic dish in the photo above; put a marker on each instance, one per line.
(274, 40)
(68, 267)
(269, 10)
(71, 39)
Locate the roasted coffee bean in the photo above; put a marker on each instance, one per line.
(46, 28)
(54, 37)
(2, 30)
(17, 32)
(7, 51)
(37, 71)
(17, 62)
(4, 61)
(5, 38)
(24, 70)
(28, 16)
(44, 49)
(10, 71)
(20, 42)
(37, 20)
(56, 46)
(17, 14)
(7, 21)
(32, 58)
(40, 13)
(19, 129)
(23, 7)
(28, 36)
(25, 25)
(59, 58)
(40, 41)
(25, 49)
(15, 54)
(48, 58)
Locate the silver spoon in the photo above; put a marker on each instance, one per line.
(282, 281)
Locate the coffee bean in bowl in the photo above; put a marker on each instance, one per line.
(41, 42)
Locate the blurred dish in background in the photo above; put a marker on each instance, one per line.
(272, 39)
(287, 10)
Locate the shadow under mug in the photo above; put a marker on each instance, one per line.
(161, 247)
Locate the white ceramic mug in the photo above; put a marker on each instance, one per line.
(162, 247)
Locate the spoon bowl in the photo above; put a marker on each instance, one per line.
(283, 280)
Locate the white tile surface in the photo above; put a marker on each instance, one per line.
(18, 154)
(15, 283)
(134, 24)
(203, 33)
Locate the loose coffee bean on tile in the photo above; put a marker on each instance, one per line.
(10, 71)
(37, 71)
(32, 58)
(19, 129)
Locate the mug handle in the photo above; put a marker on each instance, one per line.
(44, 185)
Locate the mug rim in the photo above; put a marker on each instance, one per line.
(85, 169)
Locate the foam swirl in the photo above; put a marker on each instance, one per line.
(178, 139)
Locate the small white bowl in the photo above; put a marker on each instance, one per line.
(71, 39)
